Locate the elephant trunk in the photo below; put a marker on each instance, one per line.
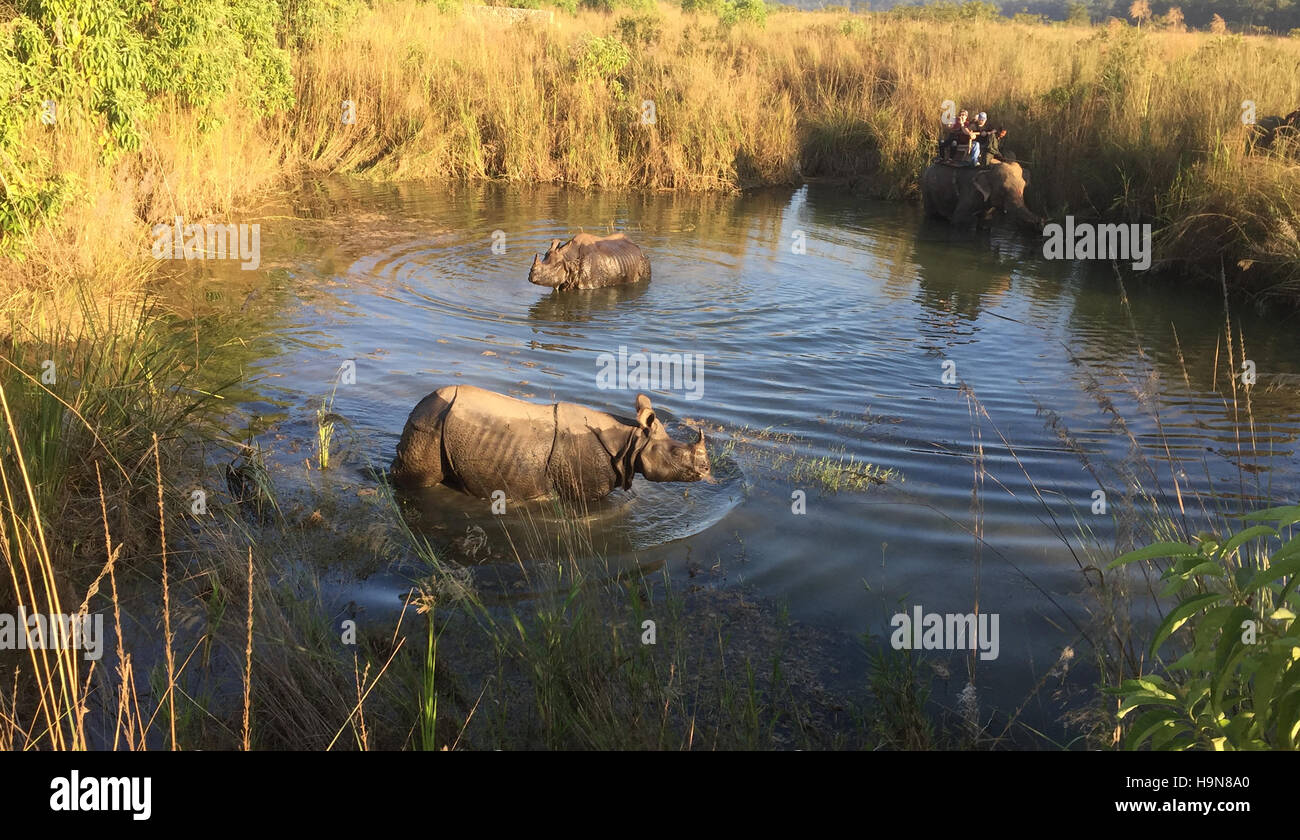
(1027, 219)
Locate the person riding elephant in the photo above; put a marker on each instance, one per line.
(959, 142)
(989, 140)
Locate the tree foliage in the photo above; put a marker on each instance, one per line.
(104, 66)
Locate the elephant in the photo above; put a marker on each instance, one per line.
(968, 195)
(479, 441)
(1261, 135)
(590, 262)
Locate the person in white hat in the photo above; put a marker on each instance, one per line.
(987, 140)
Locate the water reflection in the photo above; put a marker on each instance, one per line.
(580, 305)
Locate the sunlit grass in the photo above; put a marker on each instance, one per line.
(841, 474)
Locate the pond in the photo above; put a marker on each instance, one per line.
(863, 372)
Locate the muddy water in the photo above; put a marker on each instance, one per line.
(833, 350)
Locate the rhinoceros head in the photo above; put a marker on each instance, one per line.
(664, 459)
(557, 266)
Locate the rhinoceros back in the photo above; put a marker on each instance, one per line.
(580, 466)
(621, 259)
(493, 442)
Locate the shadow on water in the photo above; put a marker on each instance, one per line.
(963, 289)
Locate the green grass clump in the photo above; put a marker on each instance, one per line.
(842, 474)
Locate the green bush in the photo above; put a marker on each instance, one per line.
(1238, 684)
(852, 26)
(105, 64)
(713, 7)
(306, 20)
(743, 11)
(644, 29)
(601, 58)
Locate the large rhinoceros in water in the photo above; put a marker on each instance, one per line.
(590, 262)
(479, 441)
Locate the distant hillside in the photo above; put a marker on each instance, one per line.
(1280, 16)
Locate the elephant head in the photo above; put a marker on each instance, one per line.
(1002, 187)
(1261, 135)
(663, 459)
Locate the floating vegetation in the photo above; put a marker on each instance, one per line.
(845, 473)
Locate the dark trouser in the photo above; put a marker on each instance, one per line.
(954, 148)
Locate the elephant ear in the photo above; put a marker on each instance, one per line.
(981, 182)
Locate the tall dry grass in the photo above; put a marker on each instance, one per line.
(102, 239)
(98, 465)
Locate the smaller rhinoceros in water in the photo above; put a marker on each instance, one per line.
(479, 441)
(590, 262)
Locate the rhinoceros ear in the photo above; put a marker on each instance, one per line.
(645, 415)
(555, 243)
